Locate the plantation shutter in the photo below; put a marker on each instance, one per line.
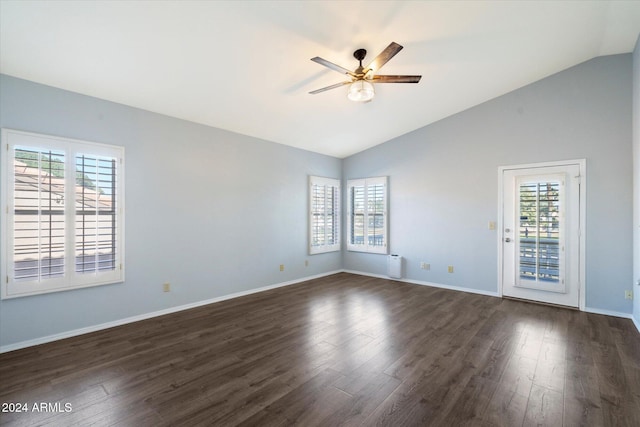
(540, 221)
(367, 215)
(39, 214)
(95, 220)
(324, 209)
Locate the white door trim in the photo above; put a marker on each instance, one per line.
(582, 163)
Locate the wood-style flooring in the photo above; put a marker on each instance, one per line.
(341, 350)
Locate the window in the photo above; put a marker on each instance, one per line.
(62, 222)
(367, 215)
(324, 215)
(541, 221)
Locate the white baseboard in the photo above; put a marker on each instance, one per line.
(636, 322)
(431, 284)
(107, 325)
(608, 312)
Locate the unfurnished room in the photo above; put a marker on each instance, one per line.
(319, 213)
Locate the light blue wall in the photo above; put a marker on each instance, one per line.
(636, 182)
(444, 178)
(210, 211)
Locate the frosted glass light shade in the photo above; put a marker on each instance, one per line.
(361, 91)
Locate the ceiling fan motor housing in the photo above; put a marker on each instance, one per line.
(360, 54)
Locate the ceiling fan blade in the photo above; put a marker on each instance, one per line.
(396, 79)
(329, 87)
(333, 66)
(384, 57)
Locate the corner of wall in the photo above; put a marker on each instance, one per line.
(636, 182)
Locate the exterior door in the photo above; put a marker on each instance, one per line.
(541, 234)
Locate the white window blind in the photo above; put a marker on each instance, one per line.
(541, 229)
(63, 217)
(324, 215)
(367, 215)
(95, 224)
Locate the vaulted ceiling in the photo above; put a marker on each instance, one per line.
(245, 66)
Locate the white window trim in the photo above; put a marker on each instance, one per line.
(327, 182)
(365, 247)
(70, 280)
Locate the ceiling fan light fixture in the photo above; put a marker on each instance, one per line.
(361, 79)
(361, 91)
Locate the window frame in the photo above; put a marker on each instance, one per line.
(365, 183)
(70, 279)
(336, 185)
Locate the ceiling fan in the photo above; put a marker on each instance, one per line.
(362, 78)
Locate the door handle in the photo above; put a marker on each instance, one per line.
(507, 239)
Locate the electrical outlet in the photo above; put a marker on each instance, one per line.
(425, 266)
(306, 263)
(450, 269)
(166, 287)
(281, 267)
(492, 225)
(628, 294)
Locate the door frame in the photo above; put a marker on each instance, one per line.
(582, 164)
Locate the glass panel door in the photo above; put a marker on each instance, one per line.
(540, 245)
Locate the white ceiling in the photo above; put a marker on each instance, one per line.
(245, 66)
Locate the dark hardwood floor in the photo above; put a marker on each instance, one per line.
(341, 350)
